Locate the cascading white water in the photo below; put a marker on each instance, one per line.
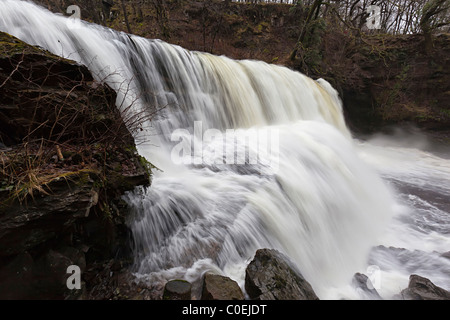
(417, 240)
(309, 194)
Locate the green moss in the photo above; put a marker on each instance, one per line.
(83, 178)
(148, 166)
(11, 46)
(106, 210)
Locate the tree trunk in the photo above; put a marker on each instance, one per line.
(162, 17)
(125, 15)
(315, 8)
(430, 10)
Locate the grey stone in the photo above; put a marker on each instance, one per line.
(420, 288)
(217, 287)
(365, 287)
(177, 290)
(272, 276)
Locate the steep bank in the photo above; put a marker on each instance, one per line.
(66, 159)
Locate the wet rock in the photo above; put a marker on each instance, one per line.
(420, 288)
(364, 287)
(217, 287)
(43, 277)
(271, 276)
(177, 290)
(25, 226)
(75, 255)
(446, 255)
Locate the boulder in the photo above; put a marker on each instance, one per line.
(420, 288)
(446, 255)
(50, 274)
(177, 290)
(43, 277)
(272, 276)
(25, 226)
(365, 287)
(217, 287)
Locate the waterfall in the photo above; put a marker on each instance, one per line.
(293, 179)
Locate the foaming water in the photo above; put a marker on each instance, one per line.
(311, 191)
(418, 237)
(311, 206)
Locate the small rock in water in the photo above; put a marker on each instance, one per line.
(446, 255)
(177, 290)
(217, 287)
(365, 287)
(271, 276)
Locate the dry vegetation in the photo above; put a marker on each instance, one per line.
(56, 122)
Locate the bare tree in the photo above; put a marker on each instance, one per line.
(162, 17)
(430, 20)
(125, 15)
(313, 12)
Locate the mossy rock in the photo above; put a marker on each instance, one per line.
(11, 46)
